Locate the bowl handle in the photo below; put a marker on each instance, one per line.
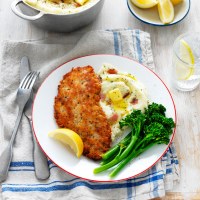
(20, 14)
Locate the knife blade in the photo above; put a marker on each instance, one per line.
(40, 160)
(24, 67)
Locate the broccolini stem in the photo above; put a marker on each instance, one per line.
(103, 162)
(115, 149)
(128, 159)
(118, 158)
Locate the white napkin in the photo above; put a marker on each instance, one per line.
(21, 182)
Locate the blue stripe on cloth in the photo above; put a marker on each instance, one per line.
(169, 171)
(137, 178)
(20, 164)
(171, 157)
(139, 49)
(129, 189)
(171, 162)
(19, 170)
(116, 42)
(120, 41)
(155, 183)
(146, 176)
(81, 183)
(42, 184)
(65, 187)
(26, 163)
(31, 164)
(26, 166)
(24, 169)
(175, 162)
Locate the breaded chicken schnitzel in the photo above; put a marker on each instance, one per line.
(77, 108)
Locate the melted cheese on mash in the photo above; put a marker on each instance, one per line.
(61, 6)
(121, 93)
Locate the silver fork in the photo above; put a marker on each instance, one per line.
(23, 94)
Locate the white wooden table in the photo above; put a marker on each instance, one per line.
(187, 139)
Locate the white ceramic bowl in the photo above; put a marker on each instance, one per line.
(151, 17)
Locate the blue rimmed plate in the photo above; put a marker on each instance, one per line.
(150, 16)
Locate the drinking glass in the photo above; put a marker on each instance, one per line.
(186, 62)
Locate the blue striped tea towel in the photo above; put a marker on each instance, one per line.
(21, 182)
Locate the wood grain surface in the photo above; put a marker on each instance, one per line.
(187, 139)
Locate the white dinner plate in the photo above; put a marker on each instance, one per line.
(151, 16)
(43, 118)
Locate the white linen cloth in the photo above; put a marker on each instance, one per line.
(21, 182)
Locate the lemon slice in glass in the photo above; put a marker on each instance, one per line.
(70, 138)
(184, 71)
(166, 11)
(145, 3)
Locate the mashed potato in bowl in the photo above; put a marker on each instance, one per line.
(121, 93)
(61, 6)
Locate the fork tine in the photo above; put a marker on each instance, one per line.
(30, 80)
(25, 79)
(34, 79)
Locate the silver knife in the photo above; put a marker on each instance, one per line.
(40, 160)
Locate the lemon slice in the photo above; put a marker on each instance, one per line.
(166, 11)
(184, 72)
(176, 2)
(68, 137)
(145, 3)
(186, 53)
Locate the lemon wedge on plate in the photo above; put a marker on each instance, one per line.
(69, 138)
(184, 71)
(176, 2)
(145, 3)
(166, 11)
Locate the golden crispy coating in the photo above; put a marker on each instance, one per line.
(77, 108)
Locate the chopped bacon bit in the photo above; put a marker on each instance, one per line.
(109, 102)
(100, 78)
(112, 71)
(113, 118)
(134, 101)
(102, 96)
(125, 95)
(76, 4)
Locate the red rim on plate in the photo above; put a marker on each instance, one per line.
(98, 56)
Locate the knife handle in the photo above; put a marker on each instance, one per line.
(42, 171)
(6, 156)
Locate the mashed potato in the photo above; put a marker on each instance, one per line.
(61, 6)
(121, 93)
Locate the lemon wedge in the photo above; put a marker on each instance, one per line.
(81, 2)
(145, 3)
(176, 2)
(166, 11)
(184, 71)
(31, 2)
(70, 138)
